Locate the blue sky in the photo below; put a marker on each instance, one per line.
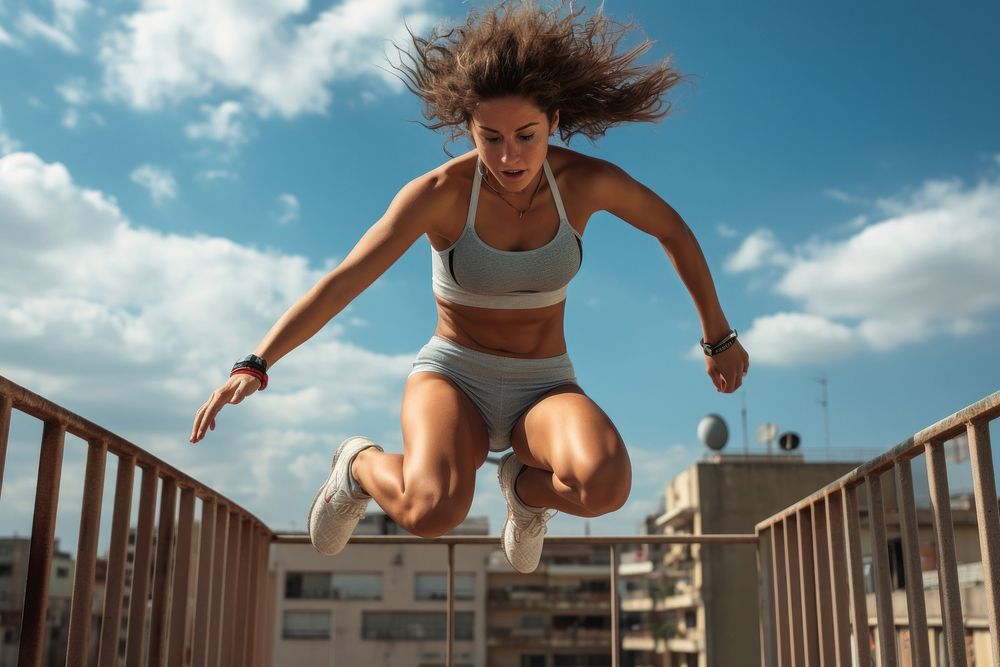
(172, 180)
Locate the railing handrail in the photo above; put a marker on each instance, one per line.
(28, 402)
(985, 409)
(302, 538)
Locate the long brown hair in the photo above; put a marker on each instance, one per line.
(553, 58)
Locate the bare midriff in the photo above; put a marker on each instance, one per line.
(531, 333)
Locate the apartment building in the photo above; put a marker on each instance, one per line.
(13, 578)
(379, 605)
(696, 605)
(557, 616)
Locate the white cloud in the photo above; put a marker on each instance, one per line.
(160, 183)
(133, 328)
(210, 175)
(845, 197)
(7, 143)
(5, 37)
(288, 208)
(74, 92)
(71, 118)
(788, 339)
(757, 250)
(30, 25)
(222, 124)
(168, 52)
(929, 269)
(725, 231)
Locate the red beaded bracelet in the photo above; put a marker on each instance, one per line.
(262, 377)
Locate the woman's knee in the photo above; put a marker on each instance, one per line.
(432, 512)
(604, 483)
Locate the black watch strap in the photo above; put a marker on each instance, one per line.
(720, 347)
(252, 361)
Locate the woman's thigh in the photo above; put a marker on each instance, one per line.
(444, 436)
(568, 433)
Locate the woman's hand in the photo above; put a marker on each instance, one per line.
(235, 389)
(728, 368)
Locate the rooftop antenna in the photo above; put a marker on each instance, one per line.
(743, 415)
(824, 403)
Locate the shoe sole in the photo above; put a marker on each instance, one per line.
(503, 530)
(319, 493)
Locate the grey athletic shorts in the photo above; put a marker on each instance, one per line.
(503, 388)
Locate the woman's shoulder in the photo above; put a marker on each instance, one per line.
(581, 172)
(442, 187)
(445, 184)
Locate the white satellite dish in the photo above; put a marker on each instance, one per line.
(767, 432)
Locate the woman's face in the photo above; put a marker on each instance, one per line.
(511, 135)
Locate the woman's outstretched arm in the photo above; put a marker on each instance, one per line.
(409, 216)
(622, 195)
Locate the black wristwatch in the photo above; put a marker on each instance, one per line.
(721, 346)
(252, 361)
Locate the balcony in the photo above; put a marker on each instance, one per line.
(215, 604)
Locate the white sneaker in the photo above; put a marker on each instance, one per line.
(340, 503)
(523, 533)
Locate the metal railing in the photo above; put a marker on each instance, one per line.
(812, 597)
(811, 592)
(231, 591)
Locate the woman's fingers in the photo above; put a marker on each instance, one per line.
(234, 391)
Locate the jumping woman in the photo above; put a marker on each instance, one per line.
(505, 222)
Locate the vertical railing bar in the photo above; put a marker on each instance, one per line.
(449, 660)
(880, 564)
(242, 611)
(859, 605)
(6, 405)
(615, 630)
(177, 644)
(782, 624)
(919, 649)
(792, 560)
(984, 488)
(161, 572)
(272, 603)
(206, 544)
(265, 629)
(807, 586)
(117, 554)
(252, 607)
(43, 530)
(821, 574)
(765, 598)
(838, 574)
(86, 554)
(944, 533)
(139, 595)
(217, 613)
(233, 550)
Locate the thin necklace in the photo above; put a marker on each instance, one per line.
(520, 213)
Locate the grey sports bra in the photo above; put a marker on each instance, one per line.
(472, 273)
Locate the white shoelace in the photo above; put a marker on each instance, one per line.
(534, 527)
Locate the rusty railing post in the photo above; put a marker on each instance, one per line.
(43, 531)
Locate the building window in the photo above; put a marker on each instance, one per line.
(6, 569)
(585, 660)
(306, 625)
(416, 625)
(533, 661)
(429, 586)
(62, 572)
(328, 586)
